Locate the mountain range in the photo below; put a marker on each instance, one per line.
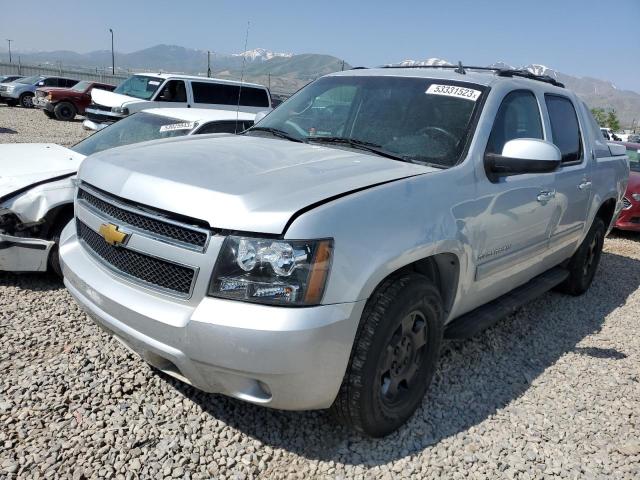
(287, 72)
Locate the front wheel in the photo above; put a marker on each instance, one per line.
(65, 111)
(26, 100)
(584, 263)
(49, 114)
(394, 356)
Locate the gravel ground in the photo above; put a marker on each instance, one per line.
(550, 392)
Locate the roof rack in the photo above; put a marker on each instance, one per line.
(501, 72)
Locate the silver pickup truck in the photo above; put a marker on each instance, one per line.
(319, 259)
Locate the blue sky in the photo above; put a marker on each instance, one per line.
(579, 37)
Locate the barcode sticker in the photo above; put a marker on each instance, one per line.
(454, 91)
(177, 126)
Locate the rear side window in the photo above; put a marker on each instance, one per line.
(564, 127)
(223, 94)
(68, 83)
(51, 82)
(517, 117)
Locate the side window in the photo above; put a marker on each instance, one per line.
(222, 127)
(173, 91)
(70, 83)
(223, 94)
(517, 117)
(564, 127)
(51, 82)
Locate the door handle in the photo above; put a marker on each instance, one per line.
(546, 195)
(584, 184)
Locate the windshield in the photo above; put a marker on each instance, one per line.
(139, 86)
(413, 119)
(81, 86)
(634, 158)
(135, 128)
(31, 80)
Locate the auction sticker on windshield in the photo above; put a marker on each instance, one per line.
(177, 126)
(454, 91)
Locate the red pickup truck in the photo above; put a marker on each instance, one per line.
(66, 103)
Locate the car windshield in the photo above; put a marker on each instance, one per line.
(135, 128)
(139, 86)
(634, 158)
(81, 86)
(413, 119)
(30, 80)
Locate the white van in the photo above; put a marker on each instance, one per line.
(167, 90)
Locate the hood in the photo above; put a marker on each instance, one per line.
(110, 99)
(25, 164)
(240, 183)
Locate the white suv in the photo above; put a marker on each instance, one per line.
(152, 90)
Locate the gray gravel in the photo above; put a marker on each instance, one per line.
(551, 392)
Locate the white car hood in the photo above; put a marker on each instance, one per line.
(244, 183)
(25, 164)
(110, 99)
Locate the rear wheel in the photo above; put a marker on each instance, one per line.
(65, 111)
(394, 356)
(26, 100)
(584, 263)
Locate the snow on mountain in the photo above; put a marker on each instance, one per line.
(261, 54)
(537, 69)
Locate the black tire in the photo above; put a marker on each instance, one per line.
(54, 255)
(49, 114)
(584, 263)
(376, 396)
(65, 111)
(26, 100)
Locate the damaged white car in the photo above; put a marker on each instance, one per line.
(36, 187)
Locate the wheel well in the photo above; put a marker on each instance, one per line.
(442, 269)
(54, 218)
(606, 211)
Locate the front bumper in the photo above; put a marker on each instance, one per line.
(43, 103)
(629, 219)
(14, 95)
(94, 126)
(287, 358)
(20, 254)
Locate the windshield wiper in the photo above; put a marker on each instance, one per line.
(360, 144)
(276, 133)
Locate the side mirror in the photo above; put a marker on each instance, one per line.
(523, 155)
(260, 116)
(40, 84)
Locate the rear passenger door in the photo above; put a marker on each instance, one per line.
(573, 179)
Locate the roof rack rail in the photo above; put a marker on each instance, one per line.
(501, 72)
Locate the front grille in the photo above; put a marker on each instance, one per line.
(3, 88)
(150, 271)
(96, 106)
(168, 231)
(626, 203)
(96, 117)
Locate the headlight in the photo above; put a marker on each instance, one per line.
(49, 96)
(636, 196)
(120, 110)
(272, 271)
(11, 88)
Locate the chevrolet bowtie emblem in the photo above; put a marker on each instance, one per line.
(112, 235)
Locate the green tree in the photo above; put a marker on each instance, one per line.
(600, 115)
(612, 121)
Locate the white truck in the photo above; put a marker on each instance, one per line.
(169, 90)
(319, 259)
(36, 188)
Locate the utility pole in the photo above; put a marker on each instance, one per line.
(343, 65)
(208, 63)
(9, 40)
(269, 80)
(113, 57)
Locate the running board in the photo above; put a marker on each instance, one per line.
(482, 317)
